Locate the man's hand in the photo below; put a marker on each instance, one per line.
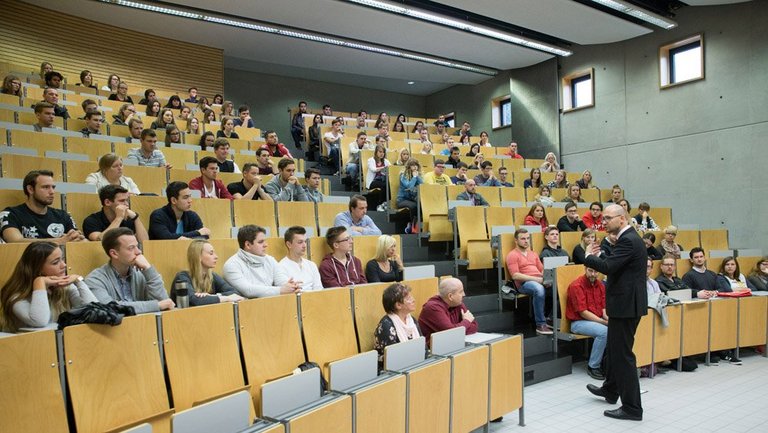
(293, 180)
(74, 236)
(168, 166)
(289, 287)
(232, 298)
(706, 294)
(356, 229)
(468, 316)
(121, 211)
(166, 304)
(204, 231)
(141, 262)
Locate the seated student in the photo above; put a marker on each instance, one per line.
(115, 212)
(148, 155)
(574, 194)
(560, 180)
(340, 268)
(35, 219)
(12, 86)
(643, 221)
(221, 153)
(174, 102)
(486, 177)
(616, 194)
(124, 114)
(244, 119)
(86, 79)
(759, 275)
(227, 128)
(39, 289)
(53, 79)
(398, 324)
(668, 245)
(274, 146)
(586, 180)
(702, 281)
(437, 176)
(312, 188)
(403, 156)
(128, 278)
(93, 121)
(544, 197)
(588, 237)
(192, 92)
(376, 177)
(461, 174)
(285, 186)
(536, 217)
(51, 96)
(206, 287)
(353, 158)
(250, 187)
(446, 310)
(295, 262)
(552, 244)
(731, 278)
(164, 118)
(253, 272)
(527, 272)
(172, 135)
(651, 285)
(208, 183)
(503, 173)
(512, 151)
(649, 239)
(455, 158)
(264, 163)
(149, 95)
(153, 108)
(121, 94)
(44, 112)
(477, 162)
(550, 163)
(356, 220)
(593, 218)
(332, 140)
(571, 222)
(470, 194)
(111, 173)
(175, 220)
(386, 266)
(207, 140)
(135, 126)
(427, 148)
(534, 179)
(90, 105)
(585, 308)
(313, 141)
(667, 279)
(410, 179)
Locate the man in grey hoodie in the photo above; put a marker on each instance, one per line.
(285, 186)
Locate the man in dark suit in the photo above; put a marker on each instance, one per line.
(626, 303)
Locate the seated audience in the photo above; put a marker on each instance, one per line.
(465, 130)
(536, 217)
(512, 151)
(244, 117)
(295, 262)
(89, 105)
(731, 276)
(264, 163)
(149, 95)
(651, 285)
(128, 278)
(44, 112)
(207, 140)
(427, 149)
(474, 149)
(313, 186)
(503, 173)
(176, 220)
(205, 286)
(552, 244)
(574, 194)
(486, 177)
(588, 237)
(327, 111)
(250, 187)
(560, 180)
(403, 156)
(209, 185)
(124, 114)
(471, 195)
(148, 155)
(649, 239)
(297, 124)
(759, 275)
(386, 266)
(35, 219)
(45, 67)
(164, 118)
(111, 173)
(571, 222)
(586, 180)
(550, 163)
(135, 126)
(86, 79)
(227, 128)
(461, 174)
(527, 272)
(174, 102)
(353, 159)
(616, 194)
(585, 308)
(313, 143)
(668, 245)
(332, 140)
(437, 176)
(209, 116)
(340, 268)
(667, 279)
(221, 153)
(355, 220)
(534, 179)
(593, 218)
(53, 79)
(93, 121)
(153, 108)
(285, 186)
(397, 325)
(455, 158)
(484, 140)
(192, 95)
(51, 96)
(407, 191)
(643, 221)
(172, 135)
(12, 86)
(115, 212)
(376, 177)
(702, 281)
(544, 197)
(112, 82)
(253, 272)
(39, 289)
(121, 94)
(446, 310)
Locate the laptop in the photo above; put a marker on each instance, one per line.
(680, 295)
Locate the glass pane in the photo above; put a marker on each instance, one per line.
(687, 64)
(582, 91)
(506, 113)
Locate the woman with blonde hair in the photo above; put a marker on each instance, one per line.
(586, 180)
(386, 266)
(227, 109)
(111, 173)
(39, 289)
(206, 287)
(45, 68)
(588, 237)
(550, 163)
(427, 149)
(403, 156)
(668, 244)
(560, 180)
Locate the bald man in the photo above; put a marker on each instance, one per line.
(446, 310)
(626, 303)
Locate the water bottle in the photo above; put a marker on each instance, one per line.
(182, 294)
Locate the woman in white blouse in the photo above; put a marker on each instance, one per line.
(111, 173)
(39, 289)
(550, 163)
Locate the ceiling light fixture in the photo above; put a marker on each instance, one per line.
(464, 26)
(639, 13)
(304, 35)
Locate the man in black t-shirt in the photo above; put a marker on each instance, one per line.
(571, 221)
(250, 187)
(34, 219)
(114, 213)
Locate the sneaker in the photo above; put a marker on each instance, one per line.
(415, 229)
(595, 373)
(408, 229)
(732, 359)
(543, 330)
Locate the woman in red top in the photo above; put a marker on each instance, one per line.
(536, 217)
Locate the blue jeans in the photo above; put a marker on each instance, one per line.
(536, 290)
(333, 155)
(593, 329)
(353, 171)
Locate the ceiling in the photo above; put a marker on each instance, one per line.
(566, 21)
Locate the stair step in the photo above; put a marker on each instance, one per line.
(539, 368)
(495, 322)
(482, 304)
(537, 345)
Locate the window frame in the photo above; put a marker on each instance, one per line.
(568, 89)
(497, 112)
(666, 60)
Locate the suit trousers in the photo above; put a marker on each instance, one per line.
(621, 371)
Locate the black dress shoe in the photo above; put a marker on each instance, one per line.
(499, 419)
(620, 414)
(600, 392)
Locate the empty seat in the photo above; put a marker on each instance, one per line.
(17, 166)
(328, 340)
(257, 212)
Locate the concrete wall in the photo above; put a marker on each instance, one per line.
(700, 147)
(271, 97)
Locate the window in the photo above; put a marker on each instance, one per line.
(501, 111)
(578, 90)
(682, 61)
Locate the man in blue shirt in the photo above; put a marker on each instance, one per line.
(355, 219)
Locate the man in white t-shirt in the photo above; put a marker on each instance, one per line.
(332, 141)
(295, 264)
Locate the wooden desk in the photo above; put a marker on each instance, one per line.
(723, 324)
(370, 403)
(695, 327)
(753, 321)
(469, 405)
(429, 398)
(666, 341)
(644, 339)
(334, 417)
(506, 393)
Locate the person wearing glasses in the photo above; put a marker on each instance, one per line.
(398, 324)
(570, 222)
(340, 268)
(437, 176)
(124, 114)
(759, 275)
(668, 244)
(667, 279)
(594, 218)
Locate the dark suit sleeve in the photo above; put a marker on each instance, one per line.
(620, 255)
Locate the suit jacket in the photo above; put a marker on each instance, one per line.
(625, 291)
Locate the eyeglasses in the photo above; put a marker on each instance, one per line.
(607, 218)
(671, 234)
(345, 239)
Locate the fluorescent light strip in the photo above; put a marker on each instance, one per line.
(638, 13)
(464, 25)
(304, 36)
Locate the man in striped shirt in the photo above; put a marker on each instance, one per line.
(148, 154)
